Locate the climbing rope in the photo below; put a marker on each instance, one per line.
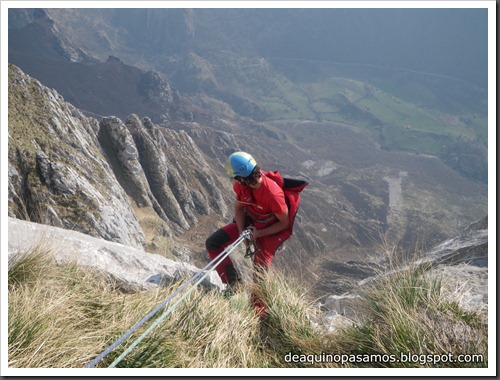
(246, 234)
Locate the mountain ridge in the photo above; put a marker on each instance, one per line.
(164, 188)
(113, 167)
(360, 195)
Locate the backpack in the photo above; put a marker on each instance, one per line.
(291, 188)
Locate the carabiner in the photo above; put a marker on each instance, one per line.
(249, 252)
(248, 235)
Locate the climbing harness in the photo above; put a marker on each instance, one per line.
(262, 218)
(246, 234)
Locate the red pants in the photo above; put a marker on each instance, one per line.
(222, 238)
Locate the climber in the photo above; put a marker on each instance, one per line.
(265, 203)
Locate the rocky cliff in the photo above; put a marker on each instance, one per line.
(131, 269)
(162, 187)
(58, 173)
(460, 264)
(150, 178)
(151, 63)
(104, 178)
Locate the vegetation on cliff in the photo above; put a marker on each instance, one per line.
(64, 316)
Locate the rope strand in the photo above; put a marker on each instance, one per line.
(220, 258)
(127, 334)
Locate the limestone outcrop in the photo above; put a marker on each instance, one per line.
(58, 172)
(74, 172)
(132, 269)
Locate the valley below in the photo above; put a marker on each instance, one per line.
(119, 125)
(395, 158)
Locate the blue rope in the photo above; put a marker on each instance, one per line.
(219, 258)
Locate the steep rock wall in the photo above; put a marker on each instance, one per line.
(75, 172)
(58, 173)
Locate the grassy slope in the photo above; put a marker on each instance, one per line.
(399, 122)
(64, 316)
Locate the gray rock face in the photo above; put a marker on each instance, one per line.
(156, 88)
(470, 247)
(122, 153)
(462, 262)
(133, 268)
(71, 171)
(178, 180)
(57, 171)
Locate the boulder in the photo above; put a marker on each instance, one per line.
(132, 268)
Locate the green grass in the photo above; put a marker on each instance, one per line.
(63, 316)
(408, 123)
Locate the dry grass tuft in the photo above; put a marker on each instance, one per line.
(64, 316)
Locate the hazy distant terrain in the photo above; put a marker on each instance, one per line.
(414, 79)
(384, 112)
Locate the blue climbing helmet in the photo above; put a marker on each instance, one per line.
(240, 164)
